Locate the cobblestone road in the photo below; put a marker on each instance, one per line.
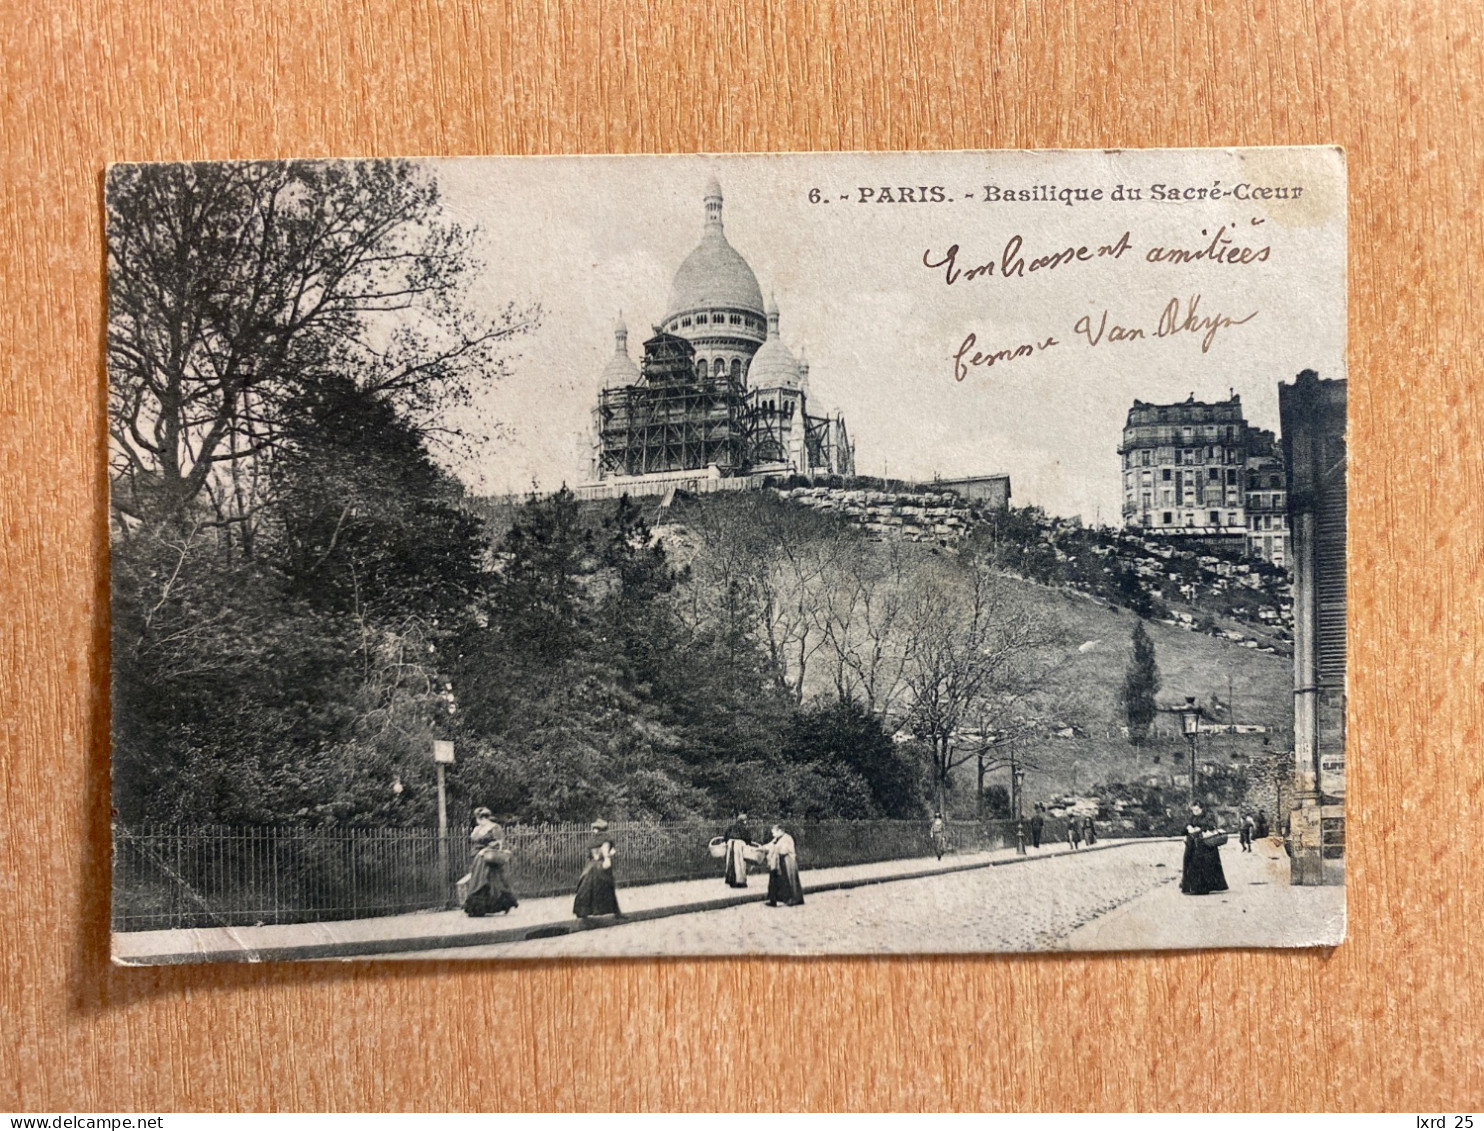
(1026, 906)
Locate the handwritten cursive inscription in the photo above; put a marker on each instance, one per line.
(1172, 321)
(1176, 318)
(968, 356)
(1016, 263)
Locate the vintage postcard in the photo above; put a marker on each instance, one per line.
(733, 554)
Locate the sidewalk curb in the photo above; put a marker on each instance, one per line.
(371, 948)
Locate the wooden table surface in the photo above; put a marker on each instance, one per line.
(1392, 1019)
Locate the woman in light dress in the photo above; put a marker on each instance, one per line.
(784, 886)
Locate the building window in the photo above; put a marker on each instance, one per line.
(701, 368)
(685, 321)
(720, 368)
(1169, 518)
(736, 370)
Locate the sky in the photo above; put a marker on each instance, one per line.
(588, 237)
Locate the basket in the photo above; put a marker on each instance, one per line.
(753, 854)
(717, 847)
(1214, 839)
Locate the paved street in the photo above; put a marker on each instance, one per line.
(1120, 896)
(1029, 906)
(1260, 909)
(1123, 898)
(425, 930)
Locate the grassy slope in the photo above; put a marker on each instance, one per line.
(1189, 664)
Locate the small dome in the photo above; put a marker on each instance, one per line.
(773, 366)
(714, 274)
(620, 372)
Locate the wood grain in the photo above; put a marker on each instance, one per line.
(1392, 1019)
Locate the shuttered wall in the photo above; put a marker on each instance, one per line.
(1329, 579)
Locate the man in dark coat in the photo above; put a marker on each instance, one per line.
(1038, 824)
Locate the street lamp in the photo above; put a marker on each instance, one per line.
(1017, 783)
(1190, 725)
(442, 756)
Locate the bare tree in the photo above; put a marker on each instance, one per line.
(233, 286)
(866, 593)
(976, 649)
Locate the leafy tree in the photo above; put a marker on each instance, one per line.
(1140, 684)
(845, 743)
(287, 559)
(997, 802)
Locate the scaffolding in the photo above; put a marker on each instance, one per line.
(678, 419)
(673, 419)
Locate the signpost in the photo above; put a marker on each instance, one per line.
(442, 756)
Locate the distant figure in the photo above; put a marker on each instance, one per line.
(1038, 825)
(1261, 831)
(1200, 871)
(489, 891)
(738, 838)
(784, 885)
(1074, 833)
(938, 834)
(1249, 827)
(596, 892)
(1089, 831)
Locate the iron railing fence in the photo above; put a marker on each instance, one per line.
(171, 876)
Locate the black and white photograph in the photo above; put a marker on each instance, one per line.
(750, 554)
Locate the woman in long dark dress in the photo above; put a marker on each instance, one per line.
(739, 836)
(596, 892)
(1201, 872)
(784, 885)
(489, 891)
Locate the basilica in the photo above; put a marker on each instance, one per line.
(716, 393)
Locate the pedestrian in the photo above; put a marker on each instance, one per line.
(738, 838)
(1249, 827)
(938, 834)
(784, 885)
(1261, 829)
(1200, 870)
(1038, 824)
(1089, 831)
(596, 892)
(489, 892)
(1074, 833)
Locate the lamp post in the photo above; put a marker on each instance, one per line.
(1190, 723)
(1017, 784)
(442, 756)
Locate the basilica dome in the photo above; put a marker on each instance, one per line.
(773, 366)
(620, 372)
(714, 275)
